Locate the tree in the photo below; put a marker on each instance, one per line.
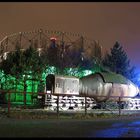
(52, 56)
(117, 61)
(12, 64)
(21, 62)
(24, 66)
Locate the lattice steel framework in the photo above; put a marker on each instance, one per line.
(40, 39)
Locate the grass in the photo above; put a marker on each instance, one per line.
(40, 114)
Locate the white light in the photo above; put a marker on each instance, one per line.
(48, 91)
(87, 72)
(53, 38)
(133, 90)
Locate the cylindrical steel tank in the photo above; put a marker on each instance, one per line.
(101, 86)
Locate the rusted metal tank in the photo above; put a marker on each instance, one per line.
(105, 86)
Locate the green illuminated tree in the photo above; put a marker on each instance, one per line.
(21, 62)
(32, 62)
(23, 65)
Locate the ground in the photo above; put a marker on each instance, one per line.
(112, 127)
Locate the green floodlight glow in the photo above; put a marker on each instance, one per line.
(77, 72)
(49, 70)
(9, 82)
(71, 72)
(87, 72)
(2, 76)
(3, 79)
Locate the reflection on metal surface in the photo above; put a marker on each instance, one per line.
(95, 85)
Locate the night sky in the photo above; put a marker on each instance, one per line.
(107, 22)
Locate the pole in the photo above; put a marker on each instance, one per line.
(40, 37)
(6, 44)
(20, 38)
(85, 106)
(119, 106)
(24, 94)
(9, 105)
(63, 51)
(57, 106)
(24, 99)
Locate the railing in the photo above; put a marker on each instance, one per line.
(117, 107)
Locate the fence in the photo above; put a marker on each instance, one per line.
(117, 107)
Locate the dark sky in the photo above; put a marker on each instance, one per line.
(107, 22)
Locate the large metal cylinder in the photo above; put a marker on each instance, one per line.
(107, 86)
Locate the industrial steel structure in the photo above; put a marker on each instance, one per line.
(41, 39)
(97, 87)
